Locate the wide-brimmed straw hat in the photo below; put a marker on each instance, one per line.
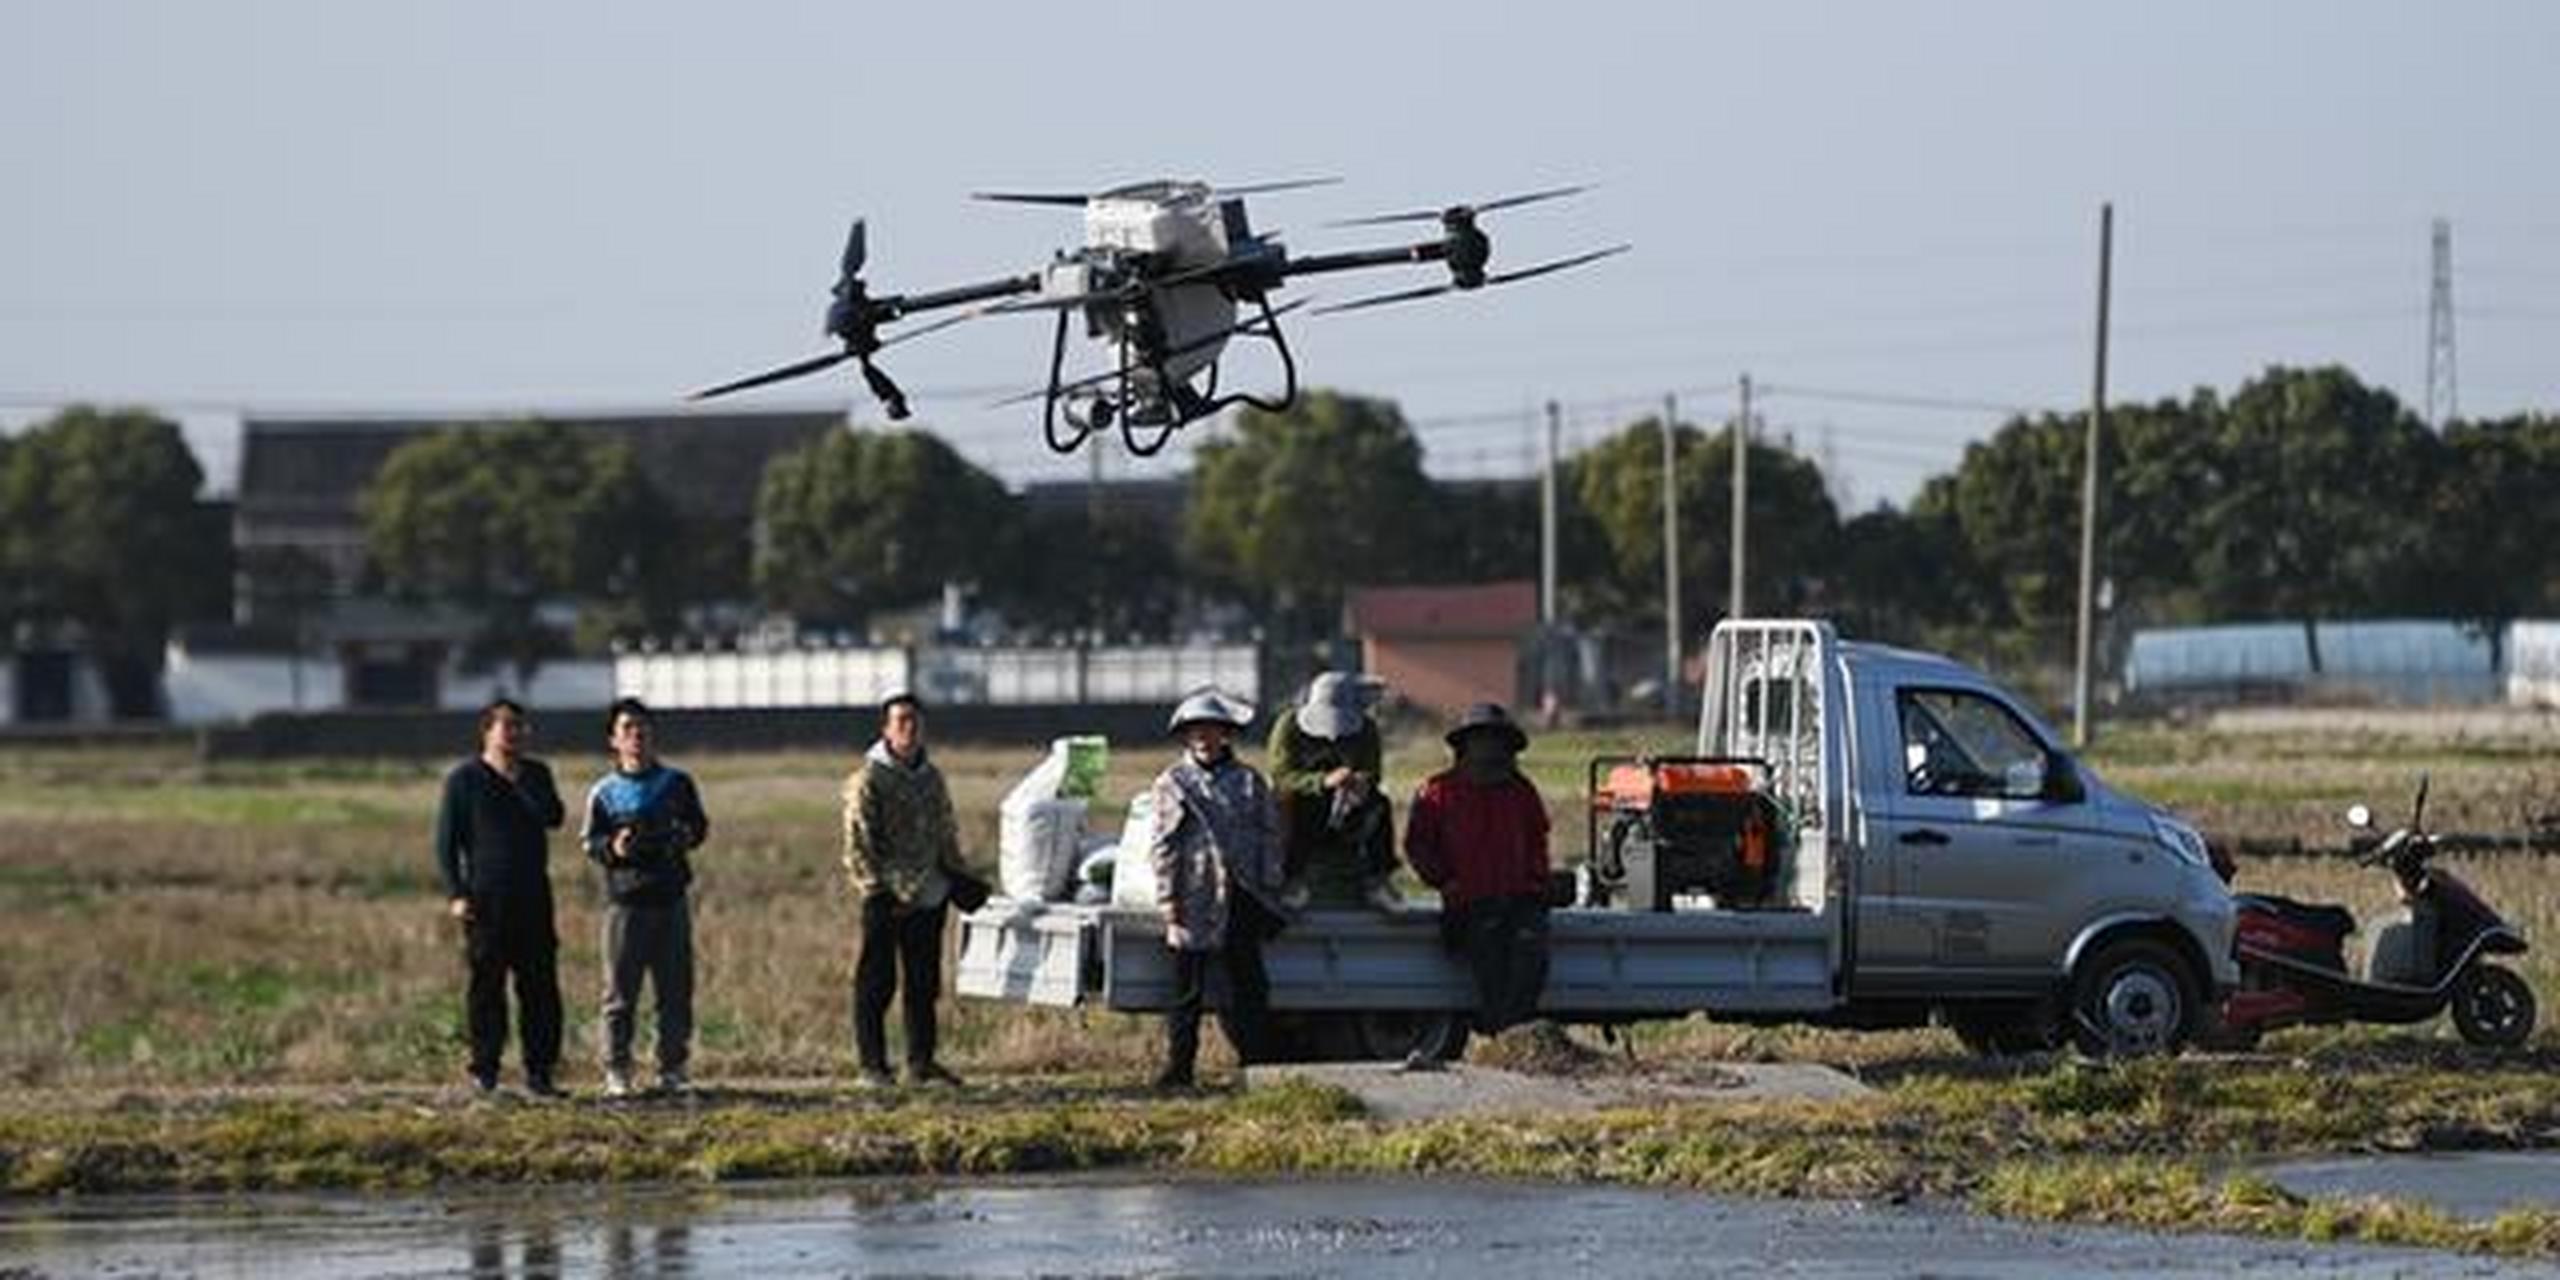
(1337, 704)
(1489, 717)
(1210, 706)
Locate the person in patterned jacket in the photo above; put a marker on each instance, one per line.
(902, 851)
(1217, 856)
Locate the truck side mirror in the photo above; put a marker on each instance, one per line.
(2062, 780)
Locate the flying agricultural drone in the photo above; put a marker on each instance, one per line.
(1169, 273)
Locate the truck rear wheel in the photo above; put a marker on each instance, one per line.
(2134, 998)
(1387, 1035)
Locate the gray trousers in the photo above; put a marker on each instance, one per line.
(655, 942)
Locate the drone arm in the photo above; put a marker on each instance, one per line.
(1319, 264)
(905, 304)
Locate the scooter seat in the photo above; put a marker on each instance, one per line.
(2320, 916)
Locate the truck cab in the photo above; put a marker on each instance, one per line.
(1927, 848)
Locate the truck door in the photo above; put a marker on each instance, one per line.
(1979, 834)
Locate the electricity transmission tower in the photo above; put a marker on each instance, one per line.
(2441, 408)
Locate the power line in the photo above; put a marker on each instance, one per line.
(1901, 400)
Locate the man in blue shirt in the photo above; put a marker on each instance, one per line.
(642, 819)
(493, 852)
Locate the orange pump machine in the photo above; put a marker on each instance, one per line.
(1663, 826)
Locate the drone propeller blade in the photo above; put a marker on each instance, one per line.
(1069, 198)
(1560, 264)
(1184, 349)
(1383, 219)
(1506, 277)
(853, 252)
(1266, 188)
(1533, 197)
(892, 400)
(783, 374)
(1387, 299)
(936, 327)
(1481, 206)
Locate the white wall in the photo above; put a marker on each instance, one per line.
(1004, 677)
(2533, 663)
(785, 678)
(225, 687)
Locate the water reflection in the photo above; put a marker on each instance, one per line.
(1367, 1229)
(668, 1253)
(537, 1248)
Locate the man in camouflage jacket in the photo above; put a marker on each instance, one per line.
(902, 851)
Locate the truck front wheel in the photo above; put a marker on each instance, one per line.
(2134, 998)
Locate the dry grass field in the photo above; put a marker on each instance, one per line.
(166, 922)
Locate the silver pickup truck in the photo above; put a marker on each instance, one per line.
(1867, 837)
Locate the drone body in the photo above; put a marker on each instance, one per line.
(1170, 273)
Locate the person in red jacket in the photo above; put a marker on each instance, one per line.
(1477, 832)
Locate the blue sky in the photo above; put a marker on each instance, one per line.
(225, 207)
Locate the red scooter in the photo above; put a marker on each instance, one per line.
(2424, 959)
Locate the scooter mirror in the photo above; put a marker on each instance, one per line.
(2359, 817)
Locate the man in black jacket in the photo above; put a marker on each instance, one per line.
(642, 819)
(493, 851)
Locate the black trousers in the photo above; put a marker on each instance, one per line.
(513, 937)
(1504, 941)
(1247, 1016)
(896, 938)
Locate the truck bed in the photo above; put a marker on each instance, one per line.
(1603, 962)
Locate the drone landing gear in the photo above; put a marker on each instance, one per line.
(1145, 400)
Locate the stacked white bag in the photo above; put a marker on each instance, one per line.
(1133, 868)
(1040, 832)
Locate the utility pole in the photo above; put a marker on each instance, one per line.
(1547, 693)
(1733, 607)
(1547, 520)
(2089, 487)
(2440, 382)
(1670, 555)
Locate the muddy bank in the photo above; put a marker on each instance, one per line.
(1391, 1093)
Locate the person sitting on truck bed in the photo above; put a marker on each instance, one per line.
(1477, 832)
(1326, 765)
(1216, 848)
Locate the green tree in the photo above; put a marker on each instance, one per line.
(862, 521)
(2014, 502)
(1791, 528)
(1904, 577)
(500, 520)
(2493, 546)
(1118, 575)
(1483, 530)
(101, 530)
(2318, 508)
(1298, 506)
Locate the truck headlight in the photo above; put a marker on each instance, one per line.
(2181, 839)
